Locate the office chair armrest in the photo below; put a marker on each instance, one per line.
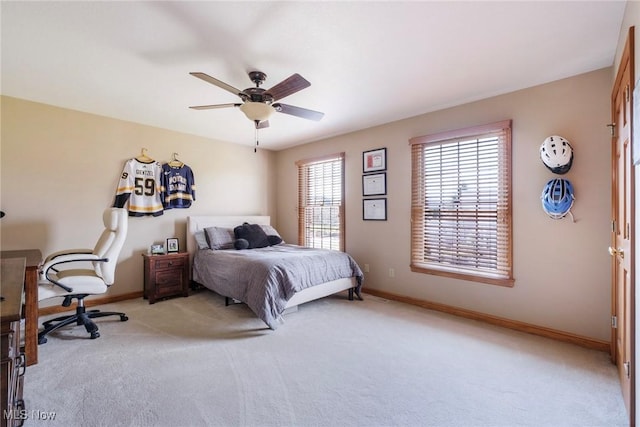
(67, 252)
(66, 259)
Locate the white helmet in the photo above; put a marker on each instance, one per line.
(556, 154)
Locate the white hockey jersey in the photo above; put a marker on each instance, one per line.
(141, 185)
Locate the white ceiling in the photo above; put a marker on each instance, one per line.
(369, 63)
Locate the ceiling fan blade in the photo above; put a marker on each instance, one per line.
(211, 107)
(290, 85)
(298, 111)
(207, 78)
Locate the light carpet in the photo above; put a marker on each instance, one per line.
(194, 362)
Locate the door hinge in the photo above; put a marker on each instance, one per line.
(612, 128)
(627, 93)
(613, 226)
(627, 368)
(614, 322)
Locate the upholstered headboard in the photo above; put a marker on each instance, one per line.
(200, 222)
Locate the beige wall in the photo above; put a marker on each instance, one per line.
(60, 168)
(631, 18)
(561, 268)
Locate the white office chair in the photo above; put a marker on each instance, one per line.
(61, 275)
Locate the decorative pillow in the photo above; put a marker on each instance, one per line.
(219, 238)
(241, 244)
(274, 240)
(252, 233)
(270, 231)
(201, 239)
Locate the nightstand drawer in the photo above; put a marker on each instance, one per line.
(168, 281)
(171, 264)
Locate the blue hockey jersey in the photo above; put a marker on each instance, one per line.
(179, 186)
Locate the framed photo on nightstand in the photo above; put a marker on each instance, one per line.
(157, 250)
(172, 245)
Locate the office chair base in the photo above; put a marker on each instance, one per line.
(81, 317)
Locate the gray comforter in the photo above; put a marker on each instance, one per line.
(266, 278)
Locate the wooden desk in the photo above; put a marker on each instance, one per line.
(12, 366)
(33, 260)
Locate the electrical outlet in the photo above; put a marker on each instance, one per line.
(366, 268)
(392, 272)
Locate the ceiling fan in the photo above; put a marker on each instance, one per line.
(259, 104)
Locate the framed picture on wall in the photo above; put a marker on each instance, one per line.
(374, 209)
(374, 160)
(374, 184)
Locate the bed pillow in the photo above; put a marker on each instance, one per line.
(201, 239)
(219, 237)
(252, 233)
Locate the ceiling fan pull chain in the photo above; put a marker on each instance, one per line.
(255, 149)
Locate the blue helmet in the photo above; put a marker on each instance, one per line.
(557, 198)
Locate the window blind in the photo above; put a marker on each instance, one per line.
(461, 204)
(320, 202)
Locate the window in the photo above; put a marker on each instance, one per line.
(461, 204)
(320, 202)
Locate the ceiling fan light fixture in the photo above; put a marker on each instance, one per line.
(257, 111)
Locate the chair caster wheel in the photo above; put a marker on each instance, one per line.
(42, 340)
(95, 335)
(123, 318)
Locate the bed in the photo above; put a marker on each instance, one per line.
(269, 280)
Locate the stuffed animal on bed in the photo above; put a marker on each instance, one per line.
(251, 236)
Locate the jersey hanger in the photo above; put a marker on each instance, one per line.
(175, 163)
(143, 157)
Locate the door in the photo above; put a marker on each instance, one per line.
(621, 248)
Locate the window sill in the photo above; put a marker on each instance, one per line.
(498, 281)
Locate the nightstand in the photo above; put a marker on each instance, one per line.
(166, 275)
